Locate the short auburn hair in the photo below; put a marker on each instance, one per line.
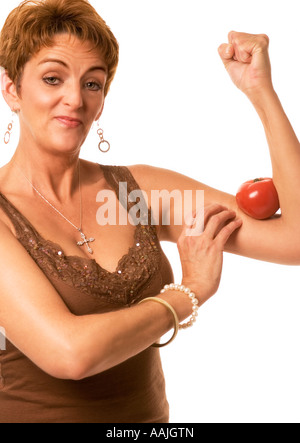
(34, 24)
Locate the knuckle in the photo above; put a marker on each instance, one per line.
(186, 241)
(263, 41)
(227, 228)
(214, 206)
(226, 232)
(193, 240)
(217, 218)
(230, 34)
(181, 242)
(212, 209)
(181, 237)
(233, 35)
(214, 249)
(265, 38)
(209, 208)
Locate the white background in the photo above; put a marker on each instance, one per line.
(172, 105)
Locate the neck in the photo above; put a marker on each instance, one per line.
(56, 177)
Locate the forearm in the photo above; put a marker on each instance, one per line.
(106, 340)
(284, 151)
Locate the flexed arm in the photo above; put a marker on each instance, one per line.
(247, 62)
(277, 240)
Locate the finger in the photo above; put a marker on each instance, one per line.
(230, 36)
(217, 221)
(233, 36)
(243, 54)
(224, 234)
(212, 209)
(242, 50)
(245, 45)
(226, 51)
(206, 212)
(195, 222)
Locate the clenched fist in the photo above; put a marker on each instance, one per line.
(246, 59)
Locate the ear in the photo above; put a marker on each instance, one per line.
(9, 92)
(99, 113)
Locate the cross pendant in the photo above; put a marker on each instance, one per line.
(85, 241)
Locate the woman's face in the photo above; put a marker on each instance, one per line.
(62, 94)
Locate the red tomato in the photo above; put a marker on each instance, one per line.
(258, 198)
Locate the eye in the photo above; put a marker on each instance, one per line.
(51, 80)
(93, 86)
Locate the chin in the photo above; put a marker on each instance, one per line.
(67, 144)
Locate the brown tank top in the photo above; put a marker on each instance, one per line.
(132, 392)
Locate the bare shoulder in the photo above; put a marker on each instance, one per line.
(148, 177)
(145, 173)
(156, 178)
(4, 219)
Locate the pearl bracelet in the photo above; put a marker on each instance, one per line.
(192, 296)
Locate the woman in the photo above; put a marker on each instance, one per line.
(82, 326)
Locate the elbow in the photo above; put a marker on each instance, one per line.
(67, 364)
(76, 358)
(74, 366)
(73, 370)
(68, 370)
(81, 364)
(65, 368)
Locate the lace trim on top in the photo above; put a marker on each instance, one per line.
(135, 269)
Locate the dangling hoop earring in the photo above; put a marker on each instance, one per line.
(9, 130)
(103, 142)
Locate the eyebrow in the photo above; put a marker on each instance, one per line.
(54, 60)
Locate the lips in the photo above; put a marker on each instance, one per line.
(69, 121)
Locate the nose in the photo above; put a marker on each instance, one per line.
(73, 96)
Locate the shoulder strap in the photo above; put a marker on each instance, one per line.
(21, 224)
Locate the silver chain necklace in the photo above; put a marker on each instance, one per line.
(84, 241)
